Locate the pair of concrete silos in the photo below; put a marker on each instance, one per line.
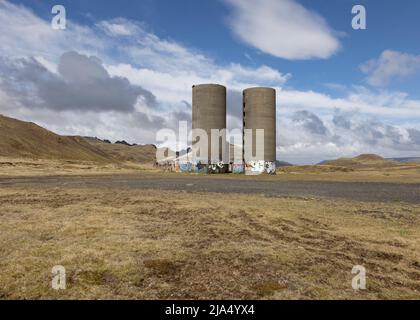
(259, 112)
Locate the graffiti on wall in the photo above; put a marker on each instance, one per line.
(185, 166)
(237, 168)
(260, 167)
(250, 168)
(200, 167)
(219, 167)
(270, 167)
(254, 167)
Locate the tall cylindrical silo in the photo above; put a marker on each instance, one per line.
(209, 112)
(259, 112)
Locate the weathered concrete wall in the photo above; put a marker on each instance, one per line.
(209, 112)
(259, 112)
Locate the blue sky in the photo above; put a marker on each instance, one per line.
(341, 91)
(203, 25)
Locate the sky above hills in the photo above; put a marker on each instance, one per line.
(122, 70)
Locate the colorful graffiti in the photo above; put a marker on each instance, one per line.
(250, 168)
(200, 167)
(270, 167)
(219, 167)
(254, 167)
(237, 168)
(213, 168)
(260, 167)
(185, 166)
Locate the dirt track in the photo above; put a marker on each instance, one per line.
(360, 191)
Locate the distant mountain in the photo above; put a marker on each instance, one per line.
(406, 160)
(363, 160)
(283, 164)
(371, 158)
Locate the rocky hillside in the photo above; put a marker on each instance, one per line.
(124, 151)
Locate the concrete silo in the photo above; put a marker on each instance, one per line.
(209, 112)
(259, 112)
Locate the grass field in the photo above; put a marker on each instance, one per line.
(121, 243)
(15, 167)
(402, 173)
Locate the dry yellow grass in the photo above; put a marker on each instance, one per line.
(366, 167)
(120, 243)
(15, 167)
(404, 173)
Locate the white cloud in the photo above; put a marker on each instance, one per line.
(25, 34)
(306, 138)
(173, 87)
(384, 103)
(169, 69)
(389, 66)
(283, 28)
(118, 27)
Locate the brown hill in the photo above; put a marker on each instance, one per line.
(369, 157)
(19, 139)
(362, 161)
(124, 151)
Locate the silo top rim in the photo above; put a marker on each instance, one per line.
(208, 85)
(260, 88)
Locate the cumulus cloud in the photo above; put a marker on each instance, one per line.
(169, 69)
(310, 121)
(234, 103)
(234, 109)
(359, 99)
(414, 136)
(175, 86)
(283, 28)
(341, 121)
(307, 138)
(82, 83)
(389, 66)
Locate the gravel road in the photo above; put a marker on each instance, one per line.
(360, 191)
